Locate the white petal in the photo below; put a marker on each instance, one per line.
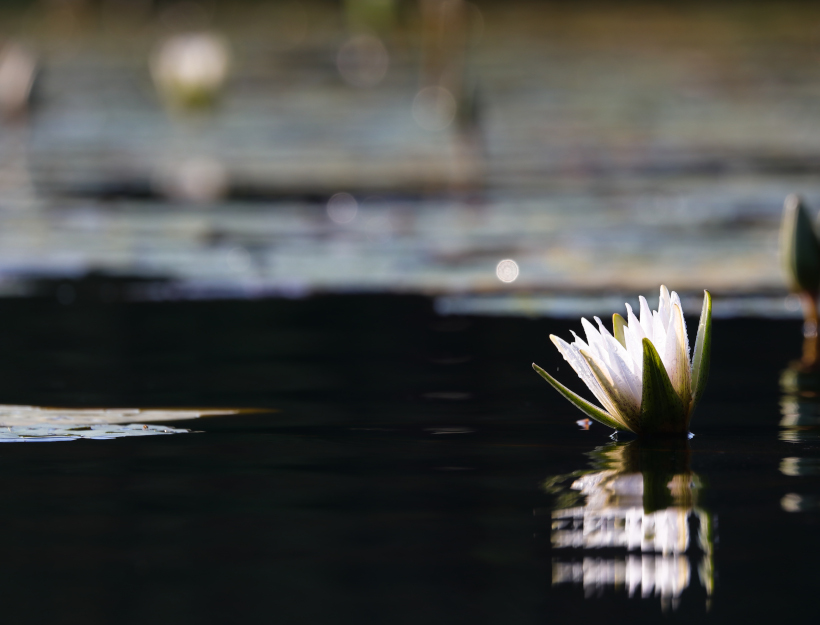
(676, 300)
(610, 341)
(573, 356)
(646, 319)
(632, 321)
(621, 359)
(658, 333)
(579, 342)
(671, 350)
(679, 371)
(613, 367)
(623, 404)
(597, 345)
(664, 306)
(593, 336)
(627, 379)
(634, 346)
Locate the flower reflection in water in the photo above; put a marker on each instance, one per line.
(642, 500)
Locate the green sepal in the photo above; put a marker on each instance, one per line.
(799, 246)
(703, 351)
(618, 324)
(590, 410)
(662, 411)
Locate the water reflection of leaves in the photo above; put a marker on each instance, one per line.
(638, 497)
(800, 423)
(799, 404)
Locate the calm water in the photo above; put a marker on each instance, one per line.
(406, 468)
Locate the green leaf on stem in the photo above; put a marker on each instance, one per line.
(590, 410)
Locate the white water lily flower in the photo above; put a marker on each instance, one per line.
(642, 372)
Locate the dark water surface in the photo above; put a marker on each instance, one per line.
(406, 468)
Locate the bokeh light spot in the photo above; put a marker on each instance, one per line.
(507, 270)
(434, 108)
(197, 180)
(342, 208)
(363, 61)
(239, 260)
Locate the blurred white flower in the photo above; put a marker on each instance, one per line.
(190, 70)
(18, 67)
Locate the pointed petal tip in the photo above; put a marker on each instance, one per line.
(707, 302)
(703, 350)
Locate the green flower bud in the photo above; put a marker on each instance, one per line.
(799, 247)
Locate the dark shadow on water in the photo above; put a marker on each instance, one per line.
(396, 483)
(136, 189)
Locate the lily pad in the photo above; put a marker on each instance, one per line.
(33, 415)
(38, 424)
(47, 433)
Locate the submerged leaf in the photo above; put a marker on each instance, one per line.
(662, 411)
(703, 351)
(591, 410)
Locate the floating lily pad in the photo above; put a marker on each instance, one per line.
(34, 423)
(68, 417)
(46, 433)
